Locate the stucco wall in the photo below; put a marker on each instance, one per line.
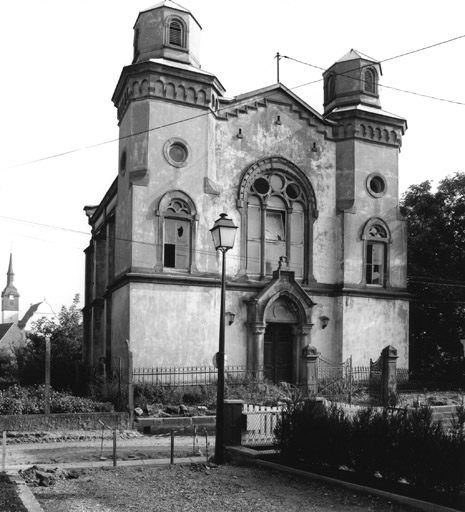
(370, 324)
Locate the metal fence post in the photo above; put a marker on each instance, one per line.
(48, 356)
(130, 387)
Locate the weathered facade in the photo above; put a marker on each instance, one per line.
(320, 252)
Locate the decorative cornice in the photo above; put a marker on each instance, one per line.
(372, 127)
(155, 80)
(214, 281)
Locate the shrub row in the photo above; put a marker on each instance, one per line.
(397, 444)
(31, 400)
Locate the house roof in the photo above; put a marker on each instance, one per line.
(4, 328)
(171, 5)
(34, 313)
(355, 54)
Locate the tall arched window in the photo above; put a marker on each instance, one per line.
(278, 208)
(176, 232)
(369, 81)
(376, 239)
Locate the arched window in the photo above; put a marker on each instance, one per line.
(136, 44)
(376, 239)
(330, 88)
(277, 206)
(369, 81)
(176, 32)
(176, 232)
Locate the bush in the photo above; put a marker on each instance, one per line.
(31, 400)
(396, 443)
(248, 389)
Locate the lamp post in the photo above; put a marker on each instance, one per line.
(223, 234)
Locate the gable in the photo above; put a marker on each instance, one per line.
(277, 96)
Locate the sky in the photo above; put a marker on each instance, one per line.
(61, 61)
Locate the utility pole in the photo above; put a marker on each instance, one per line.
(278, 58)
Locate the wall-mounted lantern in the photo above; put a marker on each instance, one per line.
(324, 321)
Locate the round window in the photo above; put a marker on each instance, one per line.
(261, 185)
(176, 152)
(376, 184)
(292, 191)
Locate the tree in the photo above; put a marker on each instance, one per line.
(436, 275)
(66, 342)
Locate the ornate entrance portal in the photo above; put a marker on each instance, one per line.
(279, 327)
(278, 352)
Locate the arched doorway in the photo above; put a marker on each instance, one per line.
(278, 352)
(279, 327)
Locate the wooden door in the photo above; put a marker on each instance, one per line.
(278, 352)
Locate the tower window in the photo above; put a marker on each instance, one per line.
(369, 81)
(177, 232)
(176, 33)
(330, 88)
(176, 152)
(375, 263)
(376, 253)
(376, 184)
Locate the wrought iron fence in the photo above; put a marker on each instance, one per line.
(187, 376)
(342, 382)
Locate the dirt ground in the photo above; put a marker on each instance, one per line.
(94, 449)
(195, 487)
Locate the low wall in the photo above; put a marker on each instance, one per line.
(149, 425)
(75, 421)
(442, 413)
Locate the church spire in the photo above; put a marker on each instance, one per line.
(10, 274)
(10, 297)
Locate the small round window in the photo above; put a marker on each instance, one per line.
(176, 151)
(376, 185)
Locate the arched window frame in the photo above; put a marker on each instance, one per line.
(330, 88)
(164, 213)
(171, 23)
(370, 80)
(376, 233)
(292, 174)
(136, 45)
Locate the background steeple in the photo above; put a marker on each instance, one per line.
(10, 297)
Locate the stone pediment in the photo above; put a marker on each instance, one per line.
(283, 300)
(276, 94)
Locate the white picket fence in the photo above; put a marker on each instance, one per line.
(261, 421)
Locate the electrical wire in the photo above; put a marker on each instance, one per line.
(238, 105)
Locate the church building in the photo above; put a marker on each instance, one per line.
(320, 256)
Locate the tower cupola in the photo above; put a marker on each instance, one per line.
(351, 81)
(167, 31)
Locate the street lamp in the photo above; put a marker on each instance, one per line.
(223, 234)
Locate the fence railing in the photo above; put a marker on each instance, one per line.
(188, 376)
(259, 425)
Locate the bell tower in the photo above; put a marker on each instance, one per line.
(10, 297)
(167, 31)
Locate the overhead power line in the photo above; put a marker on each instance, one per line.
(98, 144)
